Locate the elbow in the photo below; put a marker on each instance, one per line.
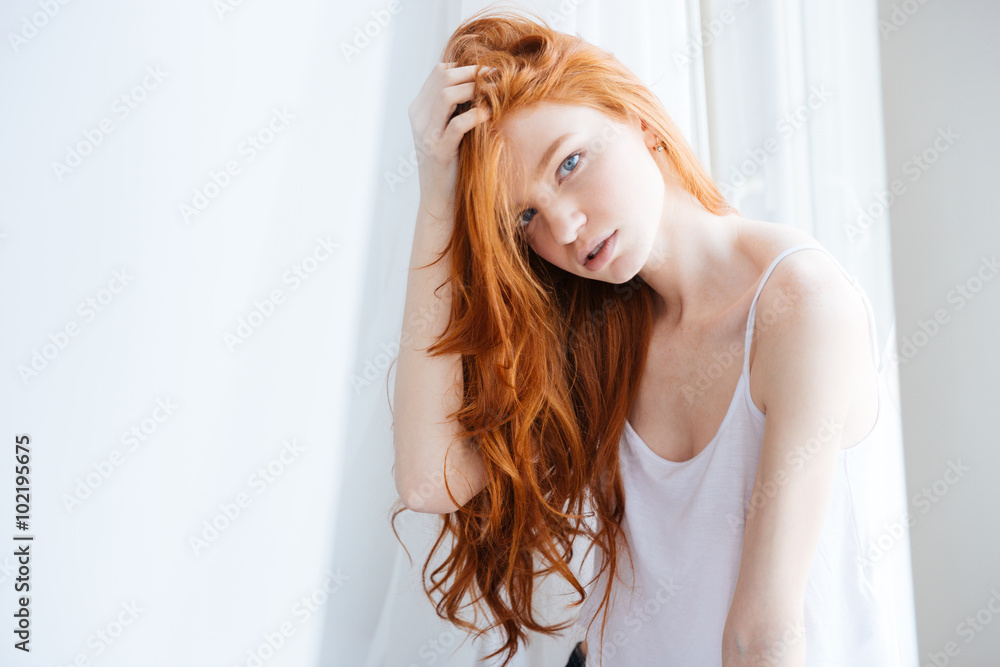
(427, 496)
(781, 647)
(423, 489)
(734, 651)
(416, 502)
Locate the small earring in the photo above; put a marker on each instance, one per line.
(659, 147)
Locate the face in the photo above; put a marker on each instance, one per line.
(583, 177)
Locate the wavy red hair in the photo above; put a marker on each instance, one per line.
(551, 361)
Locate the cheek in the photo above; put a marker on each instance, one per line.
(608, 186)
(621, 171)
(620, 189)
(553, 255)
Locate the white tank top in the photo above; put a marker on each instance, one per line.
(684, 522)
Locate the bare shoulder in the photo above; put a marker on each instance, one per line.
(810, 315)
(808, 283)
(763, 241)
(805, 271)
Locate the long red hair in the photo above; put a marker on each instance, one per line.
(551, 361)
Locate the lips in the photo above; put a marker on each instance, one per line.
(585, 255)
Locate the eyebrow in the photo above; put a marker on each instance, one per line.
(548, 153)
(547, 156)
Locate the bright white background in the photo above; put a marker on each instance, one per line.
(310, 552)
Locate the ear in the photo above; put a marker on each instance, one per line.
(647, 135)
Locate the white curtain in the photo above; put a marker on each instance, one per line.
(780, 99)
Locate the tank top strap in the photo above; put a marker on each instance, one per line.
(872, 338)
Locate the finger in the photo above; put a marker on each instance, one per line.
(464, 122)
(430, 84)
(466, 72)
(451, 100)
(432, 92)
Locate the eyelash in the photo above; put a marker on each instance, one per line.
(579, 155)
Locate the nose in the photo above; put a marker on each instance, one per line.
(565, 221)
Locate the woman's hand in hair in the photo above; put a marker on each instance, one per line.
(440, 115)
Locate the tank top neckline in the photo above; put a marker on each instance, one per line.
(742, 384)
(668, 462)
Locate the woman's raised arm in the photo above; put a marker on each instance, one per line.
(429, 388)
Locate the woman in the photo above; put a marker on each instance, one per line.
(607, 338)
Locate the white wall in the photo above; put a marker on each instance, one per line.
(940, 72)
(161, 331)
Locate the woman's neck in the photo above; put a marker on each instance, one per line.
(698, 266)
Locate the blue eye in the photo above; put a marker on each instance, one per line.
(570, 158)
(574, 160)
